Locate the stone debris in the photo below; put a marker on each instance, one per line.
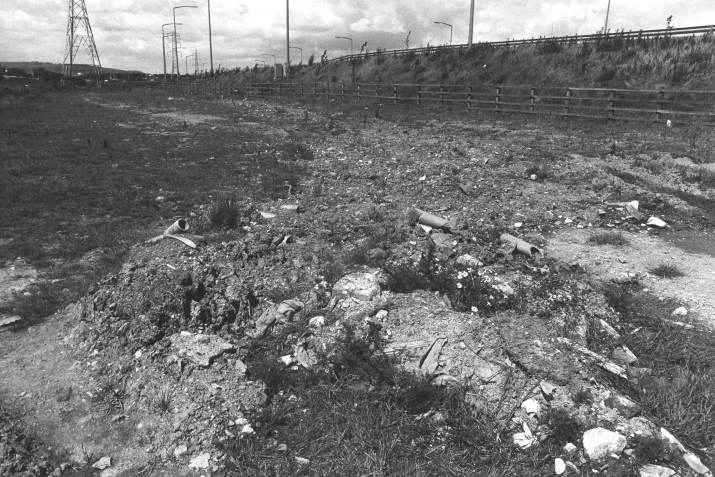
(694, 463)
(530, 406)
(597, 358)
(680, 311)
(9, 320)
(317, 321)
(200, 349)
(599, 443)
(524, 439)
(180, 450)
(362, 286)
(569, 448)
(103, 463)
(624, 405)
(302, 460)
(559, 466)
(624, 356)
(200, 462)
(547, 389)
(652, 470)
(430, 360)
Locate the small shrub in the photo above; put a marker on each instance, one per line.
(162, 401)
(564, 427)
(583, 396)
(666, 270)
(608, 238)
(298, 150)
(647, 449)
(224, 213)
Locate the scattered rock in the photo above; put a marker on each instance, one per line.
(180, 450)
(362, 286)
(680, 311)
(288, 308)
(625, 406)
(569, 448)
(656, 222)
(287, 360)
(652, 470)
(524, 439)
(201, 461)
(694, 463)
(547, 389)
(240, 367)
(599, 443)
(200, 349)
(624, 356)
(8, 320)
(302, 460)
(103, 463)
(559, 466)
(317, 321)
(531, 406)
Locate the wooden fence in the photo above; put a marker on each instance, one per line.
(596, 103)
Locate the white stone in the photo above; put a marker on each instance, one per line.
(652, 470)
(247, 429)
(680, 311)
(103, 463)
(667, 436)
(317, 321)
(180, 450)
(362, 286)
(381, 315)
(656, 222)
(531, 406)
(694, 463)
(200, 461)
(547, 388)
(302, 460)
(569, 448)
(559, 466)
(287, 360)
(599, 443)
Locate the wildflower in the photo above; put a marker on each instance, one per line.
(459, 285)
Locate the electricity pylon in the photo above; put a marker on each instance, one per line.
(79, 33)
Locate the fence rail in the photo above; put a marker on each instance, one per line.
(567, 39)
(692, 106)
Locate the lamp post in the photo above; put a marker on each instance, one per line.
(301, 53)
(176, 51)
(351, 42)
(163, 46)
(450, 30)
(211, 48)
(261, 61)
(608, 10)
(287, 71)
(471, 23)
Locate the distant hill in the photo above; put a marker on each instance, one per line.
(30, 67)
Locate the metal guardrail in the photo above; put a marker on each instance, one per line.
(568, 39)
(647, 105)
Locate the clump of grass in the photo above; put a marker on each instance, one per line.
(583, 396)
(541, 171)
(564, 427)
(666, 270)
(162, 401)
(224, 213)
(608, 238)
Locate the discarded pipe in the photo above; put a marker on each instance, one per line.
(178, 227)
(521, 246)
(432, 220)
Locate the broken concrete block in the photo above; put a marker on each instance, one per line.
(599, 443)
(362, 286)
(200, 349)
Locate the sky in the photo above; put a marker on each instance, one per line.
(128, 33)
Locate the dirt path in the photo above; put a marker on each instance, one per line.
(644, 252)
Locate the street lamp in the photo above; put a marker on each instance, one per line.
(176, 51)
(301, 53)
(211, 48)
(163, 46)
(608, 10)
(450, 30)
(260, 61)
(351, 42)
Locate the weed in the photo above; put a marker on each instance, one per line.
(224, 213)
(564, 427)
(608, 238)
(162, 401)
(583, 396)
(648, 449)
(666, 270)
(541, 171)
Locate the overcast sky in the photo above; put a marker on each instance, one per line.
(128, 32)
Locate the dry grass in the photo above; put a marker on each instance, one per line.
(666, 270)
(608, 238)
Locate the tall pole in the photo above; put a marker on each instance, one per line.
(450, 30)
(211, 48)
(351, 42)
(608, 10)
(287, 69)
(163, 45)
(176, 49)
(471, 23)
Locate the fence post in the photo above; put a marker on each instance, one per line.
(357, 92)
(567, 101)
(469, 97)
(302, 90)
(315, 88)
(497, 98)
(441, 95)
(327, 90)
(342, 92)
(658, 105)
(611, 104)
(377, 93)
(394, 93)
(419, 95)
(532, 99)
